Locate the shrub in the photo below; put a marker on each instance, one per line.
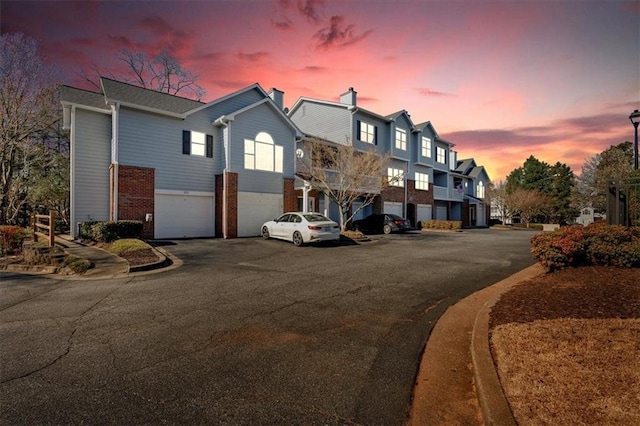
(442, 224)
(77, 264)
(596, 244)
(11, 238)
(108, 231)
(127, 245)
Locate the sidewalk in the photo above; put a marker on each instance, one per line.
(457, 382)
(105, 264)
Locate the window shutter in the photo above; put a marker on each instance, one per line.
(209, 146)
(186, 142)
(375, 135)
(358, 130)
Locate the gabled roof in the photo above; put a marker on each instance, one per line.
(477, 171)
(72, 95)
(427, 124)
(224, 119)
(395, 115)
(134, 96)
(464, 165)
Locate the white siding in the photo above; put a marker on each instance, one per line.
(425, 212)
(91, 154)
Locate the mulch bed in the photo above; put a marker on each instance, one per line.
(585, 292)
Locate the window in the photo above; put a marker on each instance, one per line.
(197, 143)
(367, 132)
(401, 139)
(395, 177)
(422, 181)
(426, 147)
(441, 155)
(480, 190)
(263, 154)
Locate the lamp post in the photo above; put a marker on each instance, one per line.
(635, 120)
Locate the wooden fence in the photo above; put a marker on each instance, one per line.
(45, 230)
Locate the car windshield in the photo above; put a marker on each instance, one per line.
(316, 218)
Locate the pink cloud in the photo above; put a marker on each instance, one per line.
(339, 34)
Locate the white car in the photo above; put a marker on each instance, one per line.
(300, 228)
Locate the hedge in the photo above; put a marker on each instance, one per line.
(595, 244)
(108, 231)
(442, 224)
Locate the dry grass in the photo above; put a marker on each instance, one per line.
(567, 347)
(571, 371)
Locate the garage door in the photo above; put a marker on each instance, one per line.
(254, 209)
(441, 212)
(424, 212)
(183, 215)
(393, 208)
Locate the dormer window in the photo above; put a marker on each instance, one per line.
(401, 139)
(426, 147)
(367, 132)
(441, 155)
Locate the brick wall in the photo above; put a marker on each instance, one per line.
(230, 227)
(290, 195)
(219, 187)
(136, 195)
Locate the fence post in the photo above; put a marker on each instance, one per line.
(52, 228)
(32, 223)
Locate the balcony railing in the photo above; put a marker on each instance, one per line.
(444, 193)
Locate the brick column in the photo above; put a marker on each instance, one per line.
(230, 208)
(289, 195)
(136, 196)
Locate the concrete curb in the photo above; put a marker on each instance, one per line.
(493, 402)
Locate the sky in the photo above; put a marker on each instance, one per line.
(502, 80)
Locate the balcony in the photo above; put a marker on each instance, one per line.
(448, 194)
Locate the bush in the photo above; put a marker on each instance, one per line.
(127, 245)
(77, 264)
(596, 244)
(107, 231)
(442, 224)
(11, 238)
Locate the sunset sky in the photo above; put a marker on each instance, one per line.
(501, 79)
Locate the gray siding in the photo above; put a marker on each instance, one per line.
(91, 159)
(325, 121)
(246, 126)
(382, 145)
(149, 140)
(232, 104)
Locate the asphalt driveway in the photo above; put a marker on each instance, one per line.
(247, 331)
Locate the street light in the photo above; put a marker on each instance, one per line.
(635, 120)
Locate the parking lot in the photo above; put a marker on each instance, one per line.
(246, 331)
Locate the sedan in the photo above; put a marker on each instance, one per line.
(384, 222)
(301, 228)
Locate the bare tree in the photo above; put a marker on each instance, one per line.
(500, 200)
(528, 203)
(162, 73)
(29, 111)
(345, 175)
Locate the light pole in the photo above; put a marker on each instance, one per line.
(635, 120)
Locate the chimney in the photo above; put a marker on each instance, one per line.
(277, 96)
(349, 97)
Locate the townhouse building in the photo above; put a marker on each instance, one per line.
(184, 168)
(434, 184)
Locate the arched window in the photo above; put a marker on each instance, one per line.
(263, 154)
(480, 190)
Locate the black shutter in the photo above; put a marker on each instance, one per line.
(209, 146)
(358, 130)
(375, 135)
(186, 142)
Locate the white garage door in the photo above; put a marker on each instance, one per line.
(183, 215)
(441, 212)
(254, 209)
(424, 212)
(393, 208)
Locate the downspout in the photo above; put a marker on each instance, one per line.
(115, 118)
(72, 172)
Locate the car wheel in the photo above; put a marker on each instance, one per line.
(297, 239)
(386, 229)
(265, 232)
